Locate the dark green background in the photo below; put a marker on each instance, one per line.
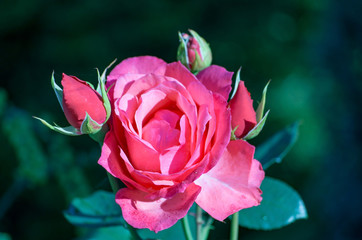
(310, 49)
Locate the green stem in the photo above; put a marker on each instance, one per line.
(133, 232)
(186, 228)
(234, 227)
(113, 182)
(206, 229)
(199, 223)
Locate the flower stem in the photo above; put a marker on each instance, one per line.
(186, 228)
(199, 223)
(206, 229)
(133, 232)
(234, 227)
(113, 182)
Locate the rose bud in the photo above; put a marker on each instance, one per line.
(79, 99)
(194, 52)
(86, 109)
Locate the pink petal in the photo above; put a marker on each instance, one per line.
(117, 86)
(171, 117)
(174, 159)
(111, 160)
(222, 132)
(142, 155)
(157, 215)
(233, 184)
(220, 119)
(139, 65)
(217, 79)
(178, 71)
(243, 115)
(149, 102)
(160, 135)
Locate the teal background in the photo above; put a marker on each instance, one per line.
(310, 49)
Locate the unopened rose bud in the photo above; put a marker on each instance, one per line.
(86, 109)
(194, 52)
(79, 99)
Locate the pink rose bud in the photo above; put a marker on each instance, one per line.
(80, 98)
(194, 52)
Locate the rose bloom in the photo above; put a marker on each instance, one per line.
(169, 143)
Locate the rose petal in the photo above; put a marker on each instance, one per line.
(142, 155)
(171, 117)
(174, 159)
(149, 101)
(160, 135)
(233, 184)
(79, 98)
(222, 130)
(158, 214)
(110, 159)
(220, 115)
(243, 115)
(117, 86)
(178, 71)
(217, 79)
(139, 65)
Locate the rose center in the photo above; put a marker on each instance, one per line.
(162, 130)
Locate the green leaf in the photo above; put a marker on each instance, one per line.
(281, 205)
(70, 130)
(235, 85)
(260, 109)
(97, 210)
(58, 91)
(111, 233)
(257, 129)
(275, 148)
(4, 236)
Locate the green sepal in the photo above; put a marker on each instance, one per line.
(206, 56)
(100, 135)
(101, 89)
(102, 77)
(260, 109)
(235, 85)
(89, 126)
(58, 91)
(232, 135)
(182, 55)
(198, 64)
(70, 130)
(257, 129)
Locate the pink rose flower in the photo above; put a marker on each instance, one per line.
(80, 98)
(169, 143)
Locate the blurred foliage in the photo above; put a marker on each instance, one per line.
(310, 49)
